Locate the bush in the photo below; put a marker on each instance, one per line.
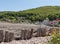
(55, 37)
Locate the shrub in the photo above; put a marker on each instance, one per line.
(55, 37)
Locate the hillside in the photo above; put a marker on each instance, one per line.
(45, 10)
(31, 15)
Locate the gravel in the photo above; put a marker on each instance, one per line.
(34, 40)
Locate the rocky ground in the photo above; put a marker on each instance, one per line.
(34, 40)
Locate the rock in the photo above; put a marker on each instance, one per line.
(1, 36)
(9, 36)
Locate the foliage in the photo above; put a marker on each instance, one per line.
(55, 38)
(35, 14)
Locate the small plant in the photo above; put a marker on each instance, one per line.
(55, 37)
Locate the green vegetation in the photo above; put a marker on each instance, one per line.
(31, 15)
(55, 37)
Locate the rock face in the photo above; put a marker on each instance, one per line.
(41, 32)
(6, 36)
(26, 34)
(20, 31)
(9, 36)
(17, 27)
(1, 36)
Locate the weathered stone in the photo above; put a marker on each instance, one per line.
(41, 32)
(1, 36)
(26, 34)
(9, 36)
(22, 34)
(38, 33)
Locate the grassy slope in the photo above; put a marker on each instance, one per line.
(44, 10)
